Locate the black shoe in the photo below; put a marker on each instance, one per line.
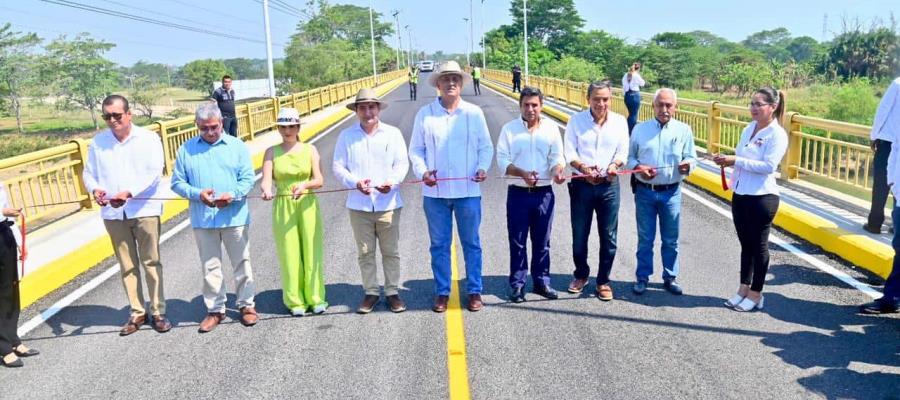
(877, 307)
(546, 292)
(13, 364)
(871, 229)
(639, 287)
(517, 295)
(673, 287)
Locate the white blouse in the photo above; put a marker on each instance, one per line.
(757, 159)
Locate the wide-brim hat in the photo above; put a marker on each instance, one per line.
(448, 68)
(288, 117)
(367, 95)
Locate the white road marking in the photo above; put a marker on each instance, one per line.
(822, 266)
(72, 297)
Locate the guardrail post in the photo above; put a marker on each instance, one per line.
(791, 162)
(168, 154)
(714, 127)
(249, 119)
(78, 171)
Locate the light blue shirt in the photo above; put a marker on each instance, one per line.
(663, 147)
(224, 167)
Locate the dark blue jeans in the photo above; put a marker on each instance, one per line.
(229, 125)
(633, 103)
(880, 187)
(587, 199)
(892, 285)
(529, 211)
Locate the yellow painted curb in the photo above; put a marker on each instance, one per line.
(457, 370)
(857, 249)
(57, 273)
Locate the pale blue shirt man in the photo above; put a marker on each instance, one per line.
(662, 149)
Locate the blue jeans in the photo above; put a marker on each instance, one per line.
(229, 125)
(633, 104)
(439, 215)
(650, 205)
(529, 211)
(585, 200)
(892, 285)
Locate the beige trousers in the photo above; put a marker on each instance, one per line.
(237, 244)
(136, 242)
(383, 228)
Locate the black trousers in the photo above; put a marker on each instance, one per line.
(753, 217)
(517, 85)
(9, 291)
(412, 90)
(880, 187)
(229, 125)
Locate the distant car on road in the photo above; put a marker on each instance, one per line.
(426, 66)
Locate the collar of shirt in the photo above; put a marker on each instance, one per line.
(661, 145)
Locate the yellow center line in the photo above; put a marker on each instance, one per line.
(456, 338)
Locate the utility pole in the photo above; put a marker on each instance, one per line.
(471, 30)
(272, 93)
(468, 60)
(409, 36)
(525, 34)
(399, 36)
(372, 35)
(483, 47)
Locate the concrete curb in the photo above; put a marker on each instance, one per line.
(855, 248)
(67, 267)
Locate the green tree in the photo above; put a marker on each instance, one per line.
(83, 75)
(145, 95)
(246, 68)
(857, 53)
(804, 48)
(202, 74)
(17, 68)
(574, 69)
(673, 40)
(772, 43)
(745, 78)
(610, 53)
(553, 22)
(159, 74)
(342, 21)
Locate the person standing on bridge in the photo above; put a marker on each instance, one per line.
(11, 347)
(413, 81)
(124, 166)
(476, 79)
(517, 78)
(755, 201)
(596, 146)
(224, 97)
(530, 147)
(215, 173)
(451, 150)
(296, 220)
(885, 131)
(662, 150)
(371, 157)
(631, 84)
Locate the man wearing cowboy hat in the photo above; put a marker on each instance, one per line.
(371, 157)
(450, 140)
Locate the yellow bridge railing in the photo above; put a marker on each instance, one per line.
(39, 180)
(829, 153)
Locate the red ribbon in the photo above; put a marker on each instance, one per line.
(724, 181)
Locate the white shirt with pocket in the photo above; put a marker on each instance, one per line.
(757, 158)
(538, 151)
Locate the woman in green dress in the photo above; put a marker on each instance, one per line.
(296, 220)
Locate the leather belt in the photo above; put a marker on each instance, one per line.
(658, 188)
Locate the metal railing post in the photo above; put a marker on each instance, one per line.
(78, 170)
(715, 129)
(168, 154)
(791, 160)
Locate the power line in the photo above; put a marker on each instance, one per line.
(157, 13)
(211, 11)
(120, 14)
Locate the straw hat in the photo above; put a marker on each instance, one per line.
(448, 68)
(288, 117)
(367, 95)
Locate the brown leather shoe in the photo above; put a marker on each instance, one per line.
(577, 285)
(604, 292)
(475, 303)
(249, 317)
(440, 304)
(211, 321)
(367, 304)
(396, 303)
(161, 324)
(133, 324)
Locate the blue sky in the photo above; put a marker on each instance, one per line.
(436, 25)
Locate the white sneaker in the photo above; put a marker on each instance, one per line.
(298, 312)
(748, 305)
(319, 309)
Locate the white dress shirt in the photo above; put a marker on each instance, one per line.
(634, 83)
(134, 165)
(596, 145)
(887, 118)
(455, 144)
(380, 157)
(538, 151)
(4, 203)
(756, 160)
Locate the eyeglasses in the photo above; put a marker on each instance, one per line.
(109, 116)
(205, 129)
(759, 104)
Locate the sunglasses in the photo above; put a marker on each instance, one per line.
(117, 116)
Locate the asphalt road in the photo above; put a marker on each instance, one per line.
(807, 343)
